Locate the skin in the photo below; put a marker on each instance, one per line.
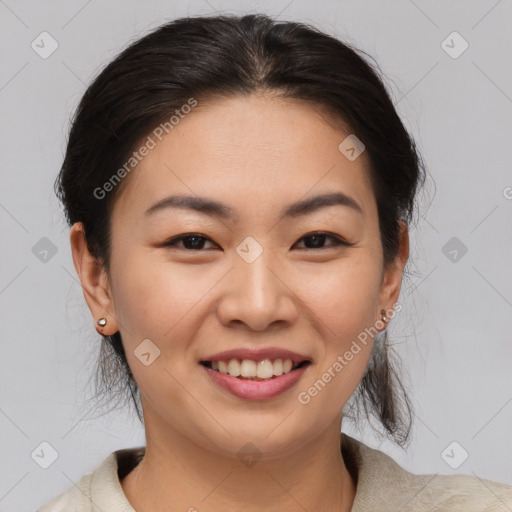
(257, 154)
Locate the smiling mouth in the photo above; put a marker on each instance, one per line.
(247, 369)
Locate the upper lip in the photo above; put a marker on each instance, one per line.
(258, 355)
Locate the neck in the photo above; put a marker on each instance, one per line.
(178, 474)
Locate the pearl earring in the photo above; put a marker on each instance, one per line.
(383, 315)
(102, 322)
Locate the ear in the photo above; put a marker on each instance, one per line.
(392, 276)
(95, 282)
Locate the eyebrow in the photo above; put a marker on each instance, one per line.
(218, 209)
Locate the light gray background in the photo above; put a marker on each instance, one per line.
(454, 332)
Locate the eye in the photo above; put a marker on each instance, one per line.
(191, 241)
(317, 240)
(195, 241)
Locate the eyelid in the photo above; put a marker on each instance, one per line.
(338, 241)
(171, 242)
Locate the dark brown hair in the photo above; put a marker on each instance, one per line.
(204, 57)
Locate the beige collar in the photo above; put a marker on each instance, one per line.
(381, 484)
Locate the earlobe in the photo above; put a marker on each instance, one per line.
(94, 280)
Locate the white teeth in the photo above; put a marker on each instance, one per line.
(265, 369)
(234, 368)
(250, 369)
(278, 367)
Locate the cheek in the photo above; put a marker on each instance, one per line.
(343, 300)
(342, 297)
(155, 301)
(152, 298)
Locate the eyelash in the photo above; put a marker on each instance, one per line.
(337, 241)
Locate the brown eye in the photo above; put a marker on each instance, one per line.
(317, 240)
(190, 242)
(196, 242)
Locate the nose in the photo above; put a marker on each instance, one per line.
(257, 295)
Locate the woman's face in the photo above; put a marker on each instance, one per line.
(256, 278)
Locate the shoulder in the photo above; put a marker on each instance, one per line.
(384, 485)
(100, 489)
(76, 498)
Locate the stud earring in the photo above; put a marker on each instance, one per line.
(383, 315)
(102, 322)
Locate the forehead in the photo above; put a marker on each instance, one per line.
(261, 147)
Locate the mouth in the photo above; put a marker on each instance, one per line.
(258, 374)
(255, 370)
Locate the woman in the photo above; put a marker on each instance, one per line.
(239, 192)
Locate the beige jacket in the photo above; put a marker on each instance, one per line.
(382, 485)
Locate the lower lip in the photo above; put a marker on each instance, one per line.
(256, 389)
